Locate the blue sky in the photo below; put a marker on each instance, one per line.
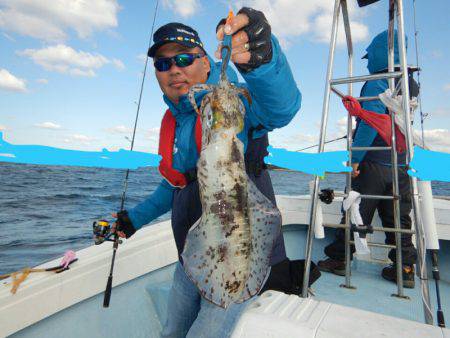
(70, 72)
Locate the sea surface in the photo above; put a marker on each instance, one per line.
(47, 210)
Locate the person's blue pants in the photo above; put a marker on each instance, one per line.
(189, 315)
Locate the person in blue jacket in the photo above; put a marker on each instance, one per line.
(372, 174)
(180, 62)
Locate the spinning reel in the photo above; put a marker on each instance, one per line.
(102, 231)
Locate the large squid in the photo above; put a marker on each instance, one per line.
(227, 251)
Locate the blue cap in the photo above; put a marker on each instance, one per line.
(175, 32)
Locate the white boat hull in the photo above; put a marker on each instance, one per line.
(151, 248)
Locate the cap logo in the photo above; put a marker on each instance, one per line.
(180, 38)
(180, 30)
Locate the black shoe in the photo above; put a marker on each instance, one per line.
(390, 273)
(333, 266)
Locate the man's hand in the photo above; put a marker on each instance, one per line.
(355, 171)
(122, 225)
(251, 41)
(114, 227)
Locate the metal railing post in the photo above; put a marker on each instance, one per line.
(394, 159)
(326, 101)
(409, 155)
(347, 230)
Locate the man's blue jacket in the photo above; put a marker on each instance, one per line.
(365, 135)
(275, 101)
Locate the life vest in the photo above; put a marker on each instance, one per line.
(166, 144)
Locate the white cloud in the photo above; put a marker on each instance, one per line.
(309, 137)
(151, 140)
(184, 8)
(10, 82)
(142, 57)
(82, 138)
(42, 81)
(79, 139)
(293, 18)
(64, 59)
(3, 128)
(441, 112)
(118, 64)
(437, 139)
(152, 133)
(51, 19)
(147, 140)
(292, 142)
(341, 125)
(48, 125)
(120, 130)
(81, 72)
(9, 37)
(447, 87)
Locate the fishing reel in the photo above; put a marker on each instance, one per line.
(326, 196)
(102, 231)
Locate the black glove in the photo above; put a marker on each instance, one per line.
(259, 39)
(124, 224)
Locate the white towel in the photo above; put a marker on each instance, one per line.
(318, 225)
(352, 202)
(395, 106)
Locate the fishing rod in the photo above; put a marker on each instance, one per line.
(316, 145)
(433, 252)
(419, 98)
(107, 295)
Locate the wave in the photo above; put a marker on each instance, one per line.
(68, 196)
(31, 244)
(39, 216)
(88, 188)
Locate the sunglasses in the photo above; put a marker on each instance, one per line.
(181, 60)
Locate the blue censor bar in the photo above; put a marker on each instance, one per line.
(310, 163)
(34, 154)
(426, 165)
(430, 165)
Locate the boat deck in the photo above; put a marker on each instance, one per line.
(372, 293)
(138, 307)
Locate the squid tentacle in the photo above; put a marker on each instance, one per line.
(195, 89)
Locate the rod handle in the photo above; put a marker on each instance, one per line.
(434, 264)
(107, 296)
(440, 318)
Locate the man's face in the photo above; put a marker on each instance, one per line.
(177, 80)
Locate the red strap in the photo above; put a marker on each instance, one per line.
(167, 137)
(380, 122)
(165, 149)
(198, 134)
(166, 143)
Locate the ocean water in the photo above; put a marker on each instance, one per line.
(47, 210)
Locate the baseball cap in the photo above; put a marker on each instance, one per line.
(175, 32)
